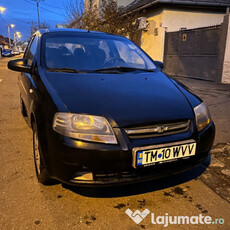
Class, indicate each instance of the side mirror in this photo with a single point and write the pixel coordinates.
(19, 65)
(159, 64)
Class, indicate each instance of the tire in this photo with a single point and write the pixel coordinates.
(22, 107)
(40, 169)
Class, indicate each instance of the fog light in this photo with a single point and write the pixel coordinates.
(84, 176)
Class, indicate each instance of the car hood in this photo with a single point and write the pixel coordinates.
(124, 99)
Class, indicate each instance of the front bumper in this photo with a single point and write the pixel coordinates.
(112, 164)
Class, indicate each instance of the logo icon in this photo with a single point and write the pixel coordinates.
(162, 129)
(137, 216)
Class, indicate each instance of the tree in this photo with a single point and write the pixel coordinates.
(74, 10)
(34, 27)
(109, 18)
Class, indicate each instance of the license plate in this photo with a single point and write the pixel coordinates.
(158, 154)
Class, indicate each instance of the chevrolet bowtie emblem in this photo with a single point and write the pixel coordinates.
(161, 129)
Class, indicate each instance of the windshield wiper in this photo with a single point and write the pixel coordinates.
(65, 70)
(123, 69)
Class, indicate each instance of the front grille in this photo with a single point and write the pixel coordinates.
(157, 130)
(142, 172)
(145, 173)
(114, 176)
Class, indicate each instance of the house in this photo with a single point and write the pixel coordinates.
(173, 15)
(98, 3)
(4, 42)
(61, 26)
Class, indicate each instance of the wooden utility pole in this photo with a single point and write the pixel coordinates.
(37, 3)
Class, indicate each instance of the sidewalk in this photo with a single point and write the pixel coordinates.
(217, 98)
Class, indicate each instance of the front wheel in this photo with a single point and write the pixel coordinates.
(41, 172)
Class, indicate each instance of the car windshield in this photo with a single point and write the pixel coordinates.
(79, 51)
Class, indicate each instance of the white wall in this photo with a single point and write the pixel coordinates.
(172, 20)
(124, 2)
(226, 64)
(151, 43)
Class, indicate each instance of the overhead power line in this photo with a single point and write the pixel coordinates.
(7, 24)
(3, 19)
(52, 12)
(18, 20)
(43, 3)
(27, 1)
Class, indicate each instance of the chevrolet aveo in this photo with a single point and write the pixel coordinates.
(103, 113)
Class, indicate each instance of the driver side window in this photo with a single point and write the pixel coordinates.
(128, 54)
(31, 50)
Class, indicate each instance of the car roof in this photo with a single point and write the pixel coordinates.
(69, 30)
(63, 30)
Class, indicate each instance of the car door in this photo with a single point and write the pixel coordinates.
(26, 81)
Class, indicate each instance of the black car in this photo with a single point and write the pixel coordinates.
(103, 112)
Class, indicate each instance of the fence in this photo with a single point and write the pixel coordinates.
(197, 53)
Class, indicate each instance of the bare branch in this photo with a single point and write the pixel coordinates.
(34, 27)
(107, 19)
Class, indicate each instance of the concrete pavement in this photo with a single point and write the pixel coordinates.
(217, 98)
(26, 204)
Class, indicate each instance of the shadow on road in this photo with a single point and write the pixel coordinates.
(140, 188)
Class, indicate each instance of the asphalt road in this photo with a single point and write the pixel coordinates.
(26, 204)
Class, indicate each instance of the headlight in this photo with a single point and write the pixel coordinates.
(203, 118)
(84, 127)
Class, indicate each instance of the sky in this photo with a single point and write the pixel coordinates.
(22, 12)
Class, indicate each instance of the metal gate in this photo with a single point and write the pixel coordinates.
(193, 53)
